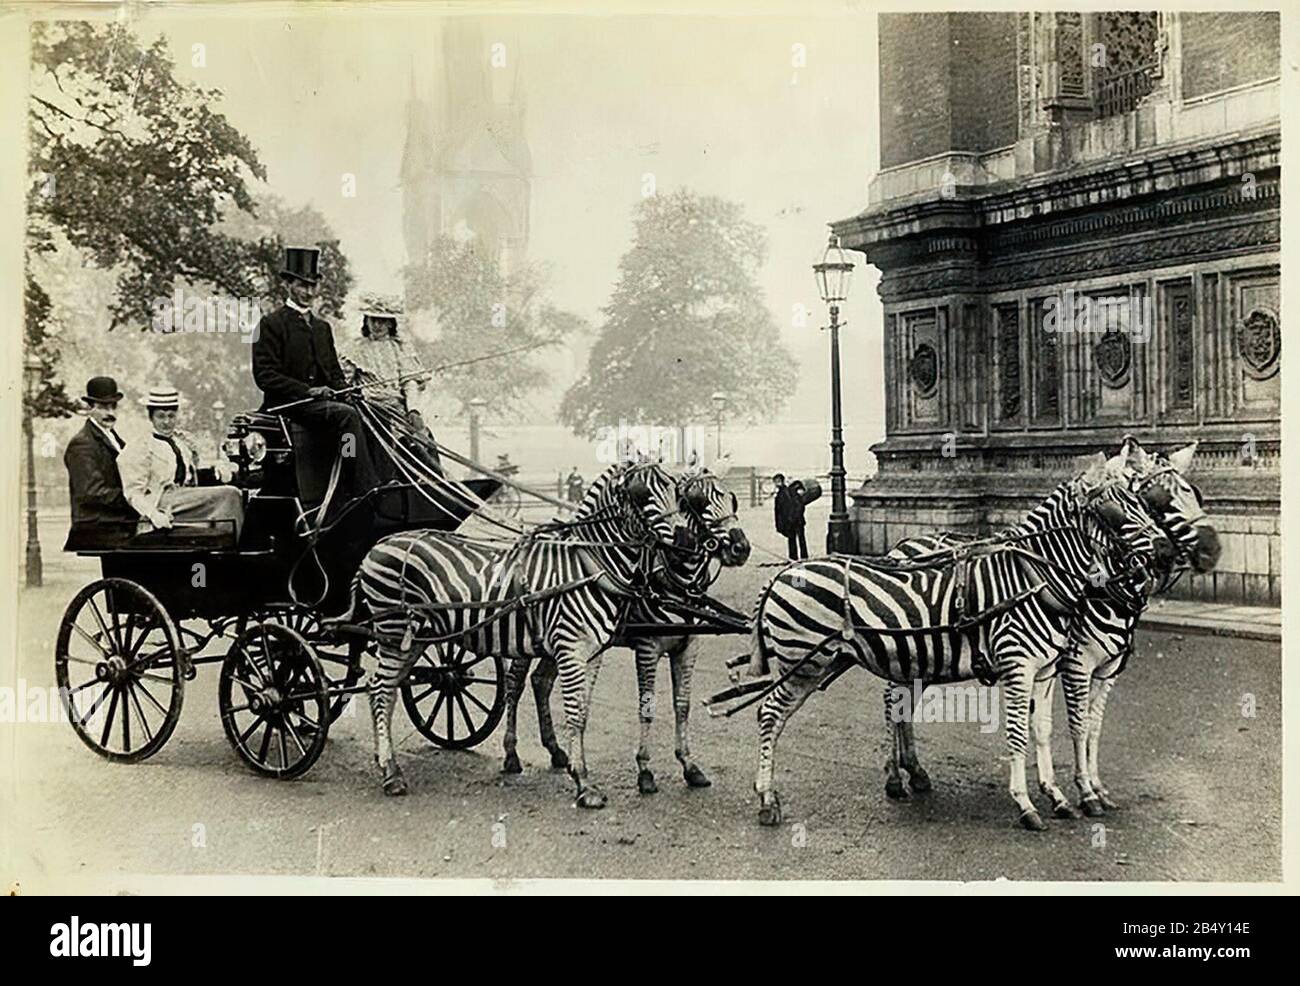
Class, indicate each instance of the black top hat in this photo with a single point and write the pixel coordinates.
(302, 263)
(101, 390)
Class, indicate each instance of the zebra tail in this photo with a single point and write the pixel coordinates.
(759, 665)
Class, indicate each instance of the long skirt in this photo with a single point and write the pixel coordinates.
(191, 503)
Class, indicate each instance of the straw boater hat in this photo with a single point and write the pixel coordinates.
(162, 399)
(380, 306)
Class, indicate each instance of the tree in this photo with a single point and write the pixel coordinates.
(133, 169)
(464, 307)
(686, 319)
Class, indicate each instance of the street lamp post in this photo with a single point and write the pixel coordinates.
(719, 400)
(32, 383)
(475, 410)
(834, 272)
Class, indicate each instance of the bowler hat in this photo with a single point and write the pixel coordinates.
(101, 390)
(302, 263)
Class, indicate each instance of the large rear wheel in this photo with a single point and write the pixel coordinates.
(119, 668)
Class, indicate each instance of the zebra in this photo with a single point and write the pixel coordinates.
(888, 616)
(713, 509)
(542, 595)
(1107, 629)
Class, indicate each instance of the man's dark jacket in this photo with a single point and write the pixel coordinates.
(789, 509)
(289, 358)
(94, 484)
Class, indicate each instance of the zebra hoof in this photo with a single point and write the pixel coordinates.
(645, 781)
(559, 760)
(894, 789)
(696, 777)
(1031, 820)
(1063, 809)
(512, 764)
(1107, 802)
(770, 814)
(395, 785)
(591, 798)
(1092, 807)
(919, 781)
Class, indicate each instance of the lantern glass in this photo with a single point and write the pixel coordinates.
(834, 273)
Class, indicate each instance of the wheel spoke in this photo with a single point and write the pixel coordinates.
(451, 721)
(293, 734)
(92, 641)
(478, 659)
(249, 731)
(149, 695)
(473, 680)
(284, 749)
(126, 722)
(417, 699)
(428, 723)
(99, 618)
(95, 707)
(464, 711)
(266, 744)
(139, 711)
(85, 684)
(473, 698)
(108, 722)
(152, 625)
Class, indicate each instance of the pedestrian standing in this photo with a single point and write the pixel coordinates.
(788, 509)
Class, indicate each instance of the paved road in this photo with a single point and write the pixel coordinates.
(1199, 781)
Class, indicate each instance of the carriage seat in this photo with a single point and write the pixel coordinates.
(97, 537)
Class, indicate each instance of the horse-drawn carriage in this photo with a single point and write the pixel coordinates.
(129, 641)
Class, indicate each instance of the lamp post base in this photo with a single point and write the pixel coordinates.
(34, 572)
(839, 536)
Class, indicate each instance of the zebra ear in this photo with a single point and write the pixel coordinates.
(1133, 454)
(1182, 458)
(1091, 468)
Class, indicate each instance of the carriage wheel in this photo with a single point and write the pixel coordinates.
(117, 664)
(341, 661)
(455, 698)
(274, 700)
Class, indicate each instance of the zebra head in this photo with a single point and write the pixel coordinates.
(1134, 549)
(1176, 504)
(650, 491)
(713, 509)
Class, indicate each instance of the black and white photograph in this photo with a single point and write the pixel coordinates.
(627, 448)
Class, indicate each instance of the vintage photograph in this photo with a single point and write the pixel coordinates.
(590, 442)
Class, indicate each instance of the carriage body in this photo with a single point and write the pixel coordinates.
(130, 640)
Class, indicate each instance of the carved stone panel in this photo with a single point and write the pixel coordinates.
(1007, 340)
(1179, 347)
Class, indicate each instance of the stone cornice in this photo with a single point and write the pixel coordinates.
(1137, 174)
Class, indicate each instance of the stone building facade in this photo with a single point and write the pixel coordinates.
(1077, 226)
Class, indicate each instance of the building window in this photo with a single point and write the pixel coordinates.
(1124, 60)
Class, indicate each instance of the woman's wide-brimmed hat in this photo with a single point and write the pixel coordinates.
(378, 305)
(302, 263)
(162, 399)
(101, 390)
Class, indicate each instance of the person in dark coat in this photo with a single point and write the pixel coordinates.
(789, 508)
(294, 359)
(94, 483)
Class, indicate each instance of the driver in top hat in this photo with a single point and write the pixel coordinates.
(294, 360)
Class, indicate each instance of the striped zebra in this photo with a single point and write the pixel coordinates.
(542, 595)
(1107, 630)
(903, 621)
(713, 511)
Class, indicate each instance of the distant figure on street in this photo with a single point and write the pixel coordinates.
(788, 509)
(575, 486)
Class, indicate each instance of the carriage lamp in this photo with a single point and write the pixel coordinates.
(32, 367)
(834, 272)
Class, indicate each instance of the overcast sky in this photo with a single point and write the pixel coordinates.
(712, 103)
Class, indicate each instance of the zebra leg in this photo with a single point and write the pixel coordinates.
(1075, 681)
(515, 676)
(647, 659)
(1096, 712)
(1044, 697)
(893, 776)
(543, 682)
(1017, 676)
(681, 664)
(578, 665)
(773, 714)
(917, 779)
(383, 692)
